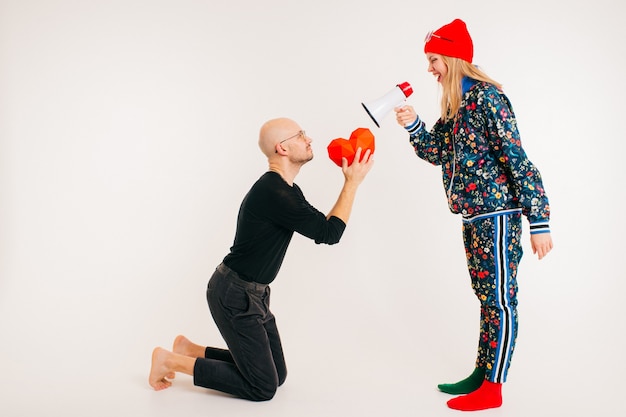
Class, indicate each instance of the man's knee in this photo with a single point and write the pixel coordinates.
(281, 378)
(263, 394)
(269, 388)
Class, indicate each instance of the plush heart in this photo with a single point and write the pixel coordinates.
(342, 148)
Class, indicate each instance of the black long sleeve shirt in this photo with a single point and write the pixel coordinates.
(269, 215)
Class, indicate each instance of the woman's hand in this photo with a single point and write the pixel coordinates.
(405, 115)
(541, 244)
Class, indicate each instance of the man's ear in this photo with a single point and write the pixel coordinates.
(280, 150)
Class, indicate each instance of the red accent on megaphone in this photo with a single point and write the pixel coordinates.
(406, 88)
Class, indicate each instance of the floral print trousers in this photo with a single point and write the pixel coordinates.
(493, 249)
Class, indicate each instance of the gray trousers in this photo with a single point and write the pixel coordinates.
(253, 367)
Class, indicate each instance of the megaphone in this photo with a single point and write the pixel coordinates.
(379, 108)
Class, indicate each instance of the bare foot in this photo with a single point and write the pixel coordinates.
(160, 370)
(181, 345)
(186, 347)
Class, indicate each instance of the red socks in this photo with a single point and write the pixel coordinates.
(489, 395)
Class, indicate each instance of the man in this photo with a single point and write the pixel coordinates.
(238, 293)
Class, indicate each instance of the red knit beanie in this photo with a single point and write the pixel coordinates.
(451, 40)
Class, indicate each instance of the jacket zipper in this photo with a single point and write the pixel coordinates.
(453, 164)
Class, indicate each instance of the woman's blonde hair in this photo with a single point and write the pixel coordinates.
(452, 89)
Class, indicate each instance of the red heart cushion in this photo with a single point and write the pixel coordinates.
(342, 148)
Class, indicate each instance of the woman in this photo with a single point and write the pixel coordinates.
(489, 181)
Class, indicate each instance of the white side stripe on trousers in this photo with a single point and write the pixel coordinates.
(505, 336)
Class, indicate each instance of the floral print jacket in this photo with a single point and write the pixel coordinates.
(482, 161)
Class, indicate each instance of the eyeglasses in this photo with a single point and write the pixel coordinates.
(301, 133)
(431, 35)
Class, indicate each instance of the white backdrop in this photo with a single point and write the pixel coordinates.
(128, 134)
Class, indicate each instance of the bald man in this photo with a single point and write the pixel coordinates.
(253, 366)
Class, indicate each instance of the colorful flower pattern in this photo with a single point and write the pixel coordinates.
(483, 164)
(492, 261)
(491, 182)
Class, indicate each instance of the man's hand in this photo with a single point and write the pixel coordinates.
(541, 244)
(353, 174)
(356, 172)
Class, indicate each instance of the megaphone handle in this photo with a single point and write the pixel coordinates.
(406, 109)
